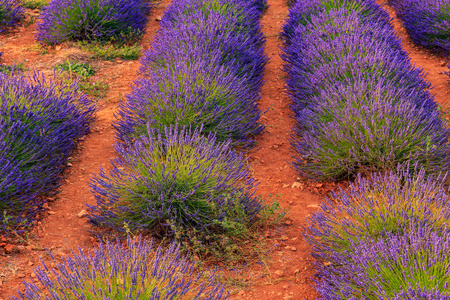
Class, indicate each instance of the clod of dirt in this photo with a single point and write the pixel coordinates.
(9, 248)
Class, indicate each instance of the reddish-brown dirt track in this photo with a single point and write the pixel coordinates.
(287, 272)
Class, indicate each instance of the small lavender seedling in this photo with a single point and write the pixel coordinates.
(372, 207)
(132, 271)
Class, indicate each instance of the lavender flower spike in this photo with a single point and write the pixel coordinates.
(174, 177)
(124, 272)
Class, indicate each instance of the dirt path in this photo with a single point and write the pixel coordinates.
(287, 275)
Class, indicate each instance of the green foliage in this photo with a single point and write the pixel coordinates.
(34, 4)
(82, 69)
(233, 243)
(82, 72)
(110, 51)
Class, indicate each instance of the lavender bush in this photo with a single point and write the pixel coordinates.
(95, 20)
(132, 271)
(40, 122)
(302, 12)
(190, 96)
(427, 22)
(174, 179)
(371, 208)
(11, 12)
(414, 265)
(358, 103)
(205, 70)
(225, 40)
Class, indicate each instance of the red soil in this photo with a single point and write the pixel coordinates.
(287, 273)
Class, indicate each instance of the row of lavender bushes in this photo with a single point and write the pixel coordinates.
(426, 21)
(360, 108)
(11, 12)
(177, 174)
(40, 123)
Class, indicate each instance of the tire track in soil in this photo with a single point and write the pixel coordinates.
(61, 230)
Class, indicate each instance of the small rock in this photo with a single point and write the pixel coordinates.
(319, 185)
(9, 248)
(2, 244)
(69, 164)
(314, 206)
(279, 273)
(30, 263)
(32, 275)
(58, 48)
(297, 185)
(51, 212)
(82, 213)
(284, 238)
(21, 248)
(21, 275)
(443, 63)
(288, 222)
(296, 271)
(241, 293)
(158, 18)
(285, 185)
(293, 249)
(36, 11)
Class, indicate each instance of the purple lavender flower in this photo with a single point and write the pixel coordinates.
(376, 206)
(302, 12)
(223, 40)
(427, 22)
(176, 177)
(413, 265)
(133, 271)
(100, 20)
(207, 70)
(40, 122)
(199, 94)
(11, 12)
(359, 105)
